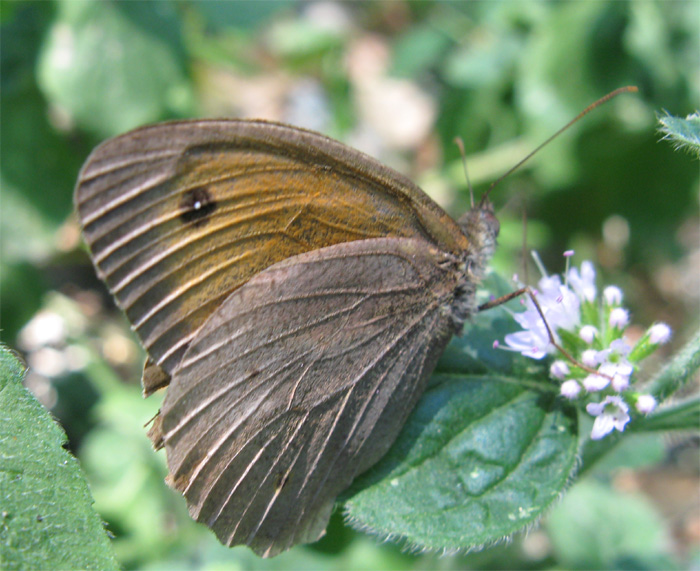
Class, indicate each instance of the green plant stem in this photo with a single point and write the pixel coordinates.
(594, 450)
(682, 415)
(678, 372)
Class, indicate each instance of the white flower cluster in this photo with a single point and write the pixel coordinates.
(592, 333)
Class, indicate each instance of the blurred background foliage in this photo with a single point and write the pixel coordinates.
(398, 80)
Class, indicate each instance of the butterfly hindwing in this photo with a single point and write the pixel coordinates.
(299, 381)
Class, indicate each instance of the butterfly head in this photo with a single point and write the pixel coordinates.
(481, 227)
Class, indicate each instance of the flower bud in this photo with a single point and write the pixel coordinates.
(619, 318)
(570, 389)
(612, 295)
(559, 369)
(645, 404)
(588, 333)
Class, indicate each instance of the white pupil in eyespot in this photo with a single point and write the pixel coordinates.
(197, 205)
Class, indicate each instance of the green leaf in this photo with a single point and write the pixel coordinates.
(482, 64)
(47, 520)
(635, 451)
(418, 50)
(301, 39)
(633, 535)
(38, 166)
(244, 15)
(113, 66)
(480, 458)
(683, 133)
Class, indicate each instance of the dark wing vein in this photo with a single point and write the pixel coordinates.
(261, 441)
(273, 192)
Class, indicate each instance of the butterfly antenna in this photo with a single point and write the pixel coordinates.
(460, 144)
(591, 107)
(524, 253)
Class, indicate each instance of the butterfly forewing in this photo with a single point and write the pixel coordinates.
(179, 215)
(300, 380)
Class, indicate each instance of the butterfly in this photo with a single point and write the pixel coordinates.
(292, 294)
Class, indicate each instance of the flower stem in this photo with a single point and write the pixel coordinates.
(682, 415)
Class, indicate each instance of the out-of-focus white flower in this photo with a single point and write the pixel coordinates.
(45, 328)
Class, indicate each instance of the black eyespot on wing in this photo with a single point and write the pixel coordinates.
(197, 206)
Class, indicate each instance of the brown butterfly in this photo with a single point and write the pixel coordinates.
(293, 294)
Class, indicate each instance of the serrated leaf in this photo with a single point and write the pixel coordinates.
(46, 518)
(480, 458)
(684, 133)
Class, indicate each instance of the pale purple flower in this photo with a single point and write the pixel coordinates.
(614, 364)
(645, 404)
(588, 333)
(583, 282)
(619, 347)
(562, 309)
(533, 340)
(528, 343)
(594, 383)
(617, 351)
(659, 333)
(620, 383)
(612, 295)
(570, 389)
(610, 368)
(619, 372)
(619, 318)
(589, 357)
(611, 414)
(559, 369)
